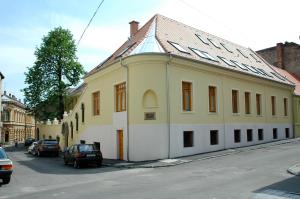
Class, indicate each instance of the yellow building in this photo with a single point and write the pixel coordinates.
(1, 124)
(17, 123)
(296, 98)
(172, 90)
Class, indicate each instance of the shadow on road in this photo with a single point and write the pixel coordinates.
(52, 165)
(288, 188)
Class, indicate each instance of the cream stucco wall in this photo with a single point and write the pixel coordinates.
(296, 112)
(153, 84)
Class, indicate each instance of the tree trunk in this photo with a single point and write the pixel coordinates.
(60, 94)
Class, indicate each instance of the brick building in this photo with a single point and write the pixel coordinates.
(285, 56)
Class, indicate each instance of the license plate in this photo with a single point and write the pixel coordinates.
(90, 155)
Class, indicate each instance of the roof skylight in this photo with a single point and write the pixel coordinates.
(178, 47)
(214, 43)
(203, 54)
(227, 61)
(125, 50)
(254, 58)
(251, 68)
(263, 72)
(226, 47)
(278, 76)
(202, 39)
(241, 53)
(239, 65)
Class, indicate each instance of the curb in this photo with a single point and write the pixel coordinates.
(226, 153)
(293, 169)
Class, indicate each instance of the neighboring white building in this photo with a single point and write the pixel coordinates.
(1, 78)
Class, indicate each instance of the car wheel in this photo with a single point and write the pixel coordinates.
(6, 180)
(99, 164)
(76, 164)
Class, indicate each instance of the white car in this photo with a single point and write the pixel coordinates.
(31, 148)
(6, 167)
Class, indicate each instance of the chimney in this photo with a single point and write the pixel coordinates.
(4, 92)
(280, 55)
(134, 27)
(9, 95)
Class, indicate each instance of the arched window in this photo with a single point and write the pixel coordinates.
(71, 125)
(82, 112)
(150, 99)
(76, 118)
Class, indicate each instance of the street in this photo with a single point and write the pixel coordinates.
(259, 173)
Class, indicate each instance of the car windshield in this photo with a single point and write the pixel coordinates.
(3, 154)
(50, 142)
(86, 147)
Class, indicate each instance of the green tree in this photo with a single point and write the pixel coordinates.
(56, 68)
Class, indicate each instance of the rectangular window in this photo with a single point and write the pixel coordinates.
(226, 47)
(275, 135)
(258, 104)
(214, 137)
(212, 99)
(120, 92)
(213, 43)
(235, 101)
(96, 103)
(237, 135)
(188, 139)
(285, 104)
(187, 96)
(249, 135)
(202, 39)
(178, 47)
(247, 103)
(273, 104)
(287, 132)
(241, 53)
(260, 134)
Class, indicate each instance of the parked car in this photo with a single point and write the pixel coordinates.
(80, 154)
(32, 148)
(29, 141)
(6, 167)
(47, 146)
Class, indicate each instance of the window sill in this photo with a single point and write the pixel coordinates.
(236, 114)
(187, 112)
(213, 113)
(248, 115)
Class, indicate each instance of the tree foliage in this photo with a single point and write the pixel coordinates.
(56, 68)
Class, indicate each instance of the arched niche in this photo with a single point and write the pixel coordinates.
(150, 99)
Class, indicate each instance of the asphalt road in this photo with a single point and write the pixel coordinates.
(252, 174)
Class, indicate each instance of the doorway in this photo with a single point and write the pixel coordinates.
(120, 145)
(6, 138)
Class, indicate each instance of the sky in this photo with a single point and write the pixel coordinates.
(256, 24)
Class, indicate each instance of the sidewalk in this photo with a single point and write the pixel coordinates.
(198, 157)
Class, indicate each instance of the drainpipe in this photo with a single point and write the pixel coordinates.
(127, 104)
(168, 103)
(224, 126)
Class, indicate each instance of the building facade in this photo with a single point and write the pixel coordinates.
(18, 124)
(1, 93)
(172, 90)
(285, 56)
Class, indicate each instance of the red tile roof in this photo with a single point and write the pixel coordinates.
(168, 30)
(292, 78)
